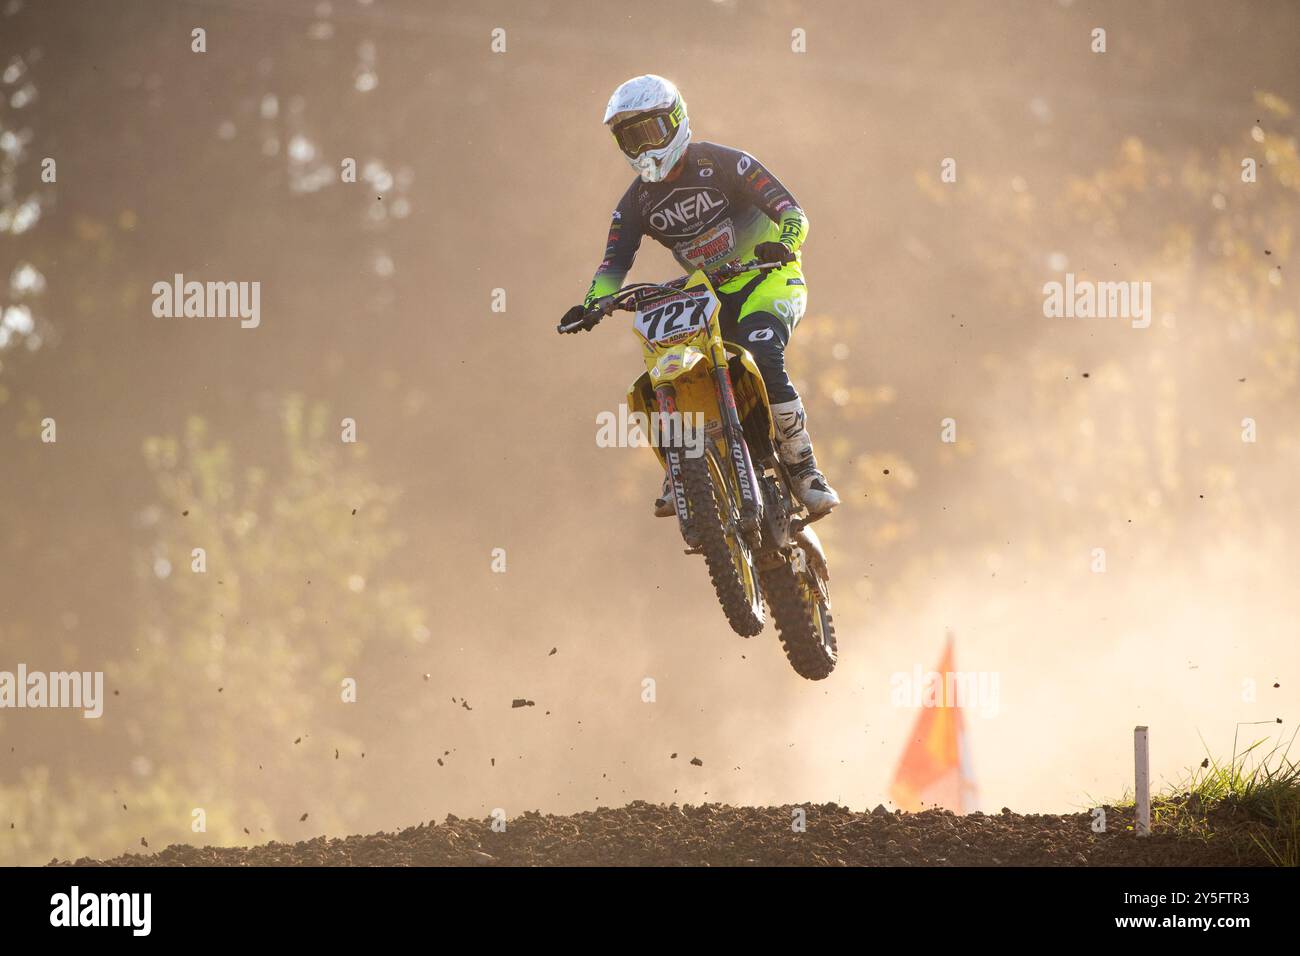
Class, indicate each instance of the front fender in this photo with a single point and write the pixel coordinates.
(673, 363)
(683, 368)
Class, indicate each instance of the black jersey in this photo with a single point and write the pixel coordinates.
(720, 204)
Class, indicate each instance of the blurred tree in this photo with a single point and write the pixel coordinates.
(236, 682)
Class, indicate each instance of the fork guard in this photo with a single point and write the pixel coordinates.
(671, 455)
(751, 496)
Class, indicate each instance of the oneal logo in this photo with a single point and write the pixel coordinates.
(209, 300)
(78, 689)
(103, 909)
(1098, 300)
(684, 210)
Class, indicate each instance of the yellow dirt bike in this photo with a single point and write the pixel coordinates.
(731, 491)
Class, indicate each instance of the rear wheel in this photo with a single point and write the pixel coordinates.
(715, 530)
(803, 620)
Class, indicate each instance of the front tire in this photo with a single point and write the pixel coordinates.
(728, 557)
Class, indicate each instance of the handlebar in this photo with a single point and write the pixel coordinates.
(732, 269)
(627, 298)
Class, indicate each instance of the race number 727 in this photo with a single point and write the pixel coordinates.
(677, 316)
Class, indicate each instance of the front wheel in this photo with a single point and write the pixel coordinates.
(715, 530)
(803, 620)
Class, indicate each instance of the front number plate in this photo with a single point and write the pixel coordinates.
(667, 320)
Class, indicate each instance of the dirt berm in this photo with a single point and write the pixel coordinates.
(643, 834)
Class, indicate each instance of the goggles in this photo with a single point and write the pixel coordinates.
(645, 131)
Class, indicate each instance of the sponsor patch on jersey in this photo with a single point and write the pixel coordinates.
(794, 281)
(686, 210)
(716, 245)
(743, 164)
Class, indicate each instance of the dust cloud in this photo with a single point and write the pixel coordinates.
(476, 429)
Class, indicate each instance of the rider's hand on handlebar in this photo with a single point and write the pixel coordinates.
(578, 319)
(773, 252)
(570, 321)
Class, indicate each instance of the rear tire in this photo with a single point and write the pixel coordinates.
(729, 560)
(803, 621)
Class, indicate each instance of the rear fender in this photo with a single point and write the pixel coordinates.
(812, 546)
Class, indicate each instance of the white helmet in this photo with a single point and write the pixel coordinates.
(648, 119)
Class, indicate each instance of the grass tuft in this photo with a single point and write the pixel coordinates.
(1251, 803)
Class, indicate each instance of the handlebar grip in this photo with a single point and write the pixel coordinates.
(588, 320)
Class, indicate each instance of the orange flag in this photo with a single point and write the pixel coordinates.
(935, 770)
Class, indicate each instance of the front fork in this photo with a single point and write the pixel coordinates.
(751, 507)
(672, 445)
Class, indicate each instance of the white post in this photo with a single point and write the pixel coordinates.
(1142, 781)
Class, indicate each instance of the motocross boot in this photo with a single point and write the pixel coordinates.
(795, 448)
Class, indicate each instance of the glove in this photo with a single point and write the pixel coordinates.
(773, 252)
(573, 321)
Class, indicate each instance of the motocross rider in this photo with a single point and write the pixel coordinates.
(709, 205)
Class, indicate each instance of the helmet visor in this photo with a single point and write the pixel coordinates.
(647, 131)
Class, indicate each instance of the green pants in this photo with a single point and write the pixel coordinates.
(759, 311)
